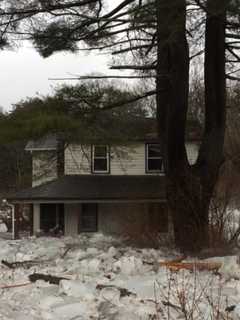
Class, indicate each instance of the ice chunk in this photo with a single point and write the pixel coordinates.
(50, 301)
(128, 265)
(3, 227)
(78, 311)
(77, 289)
(230, 267)
(110, 294)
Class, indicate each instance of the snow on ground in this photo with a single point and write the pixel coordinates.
(106, 280)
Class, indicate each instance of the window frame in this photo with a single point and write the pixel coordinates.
(147, 158)
(93, 158)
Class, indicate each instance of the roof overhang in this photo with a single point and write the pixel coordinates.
(96, 188)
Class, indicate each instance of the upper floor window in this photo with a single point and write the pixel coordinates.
(100, 159)
(154, 160)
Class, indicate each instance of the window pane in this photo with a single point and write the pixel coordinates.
(100, 165)
(100, 151)
(154, 150)
(155, 164)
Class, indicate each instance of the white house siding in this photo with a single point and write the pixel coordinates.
(44, 167)
(123, 160)
(128, 160)
(77, 159)
(71, 218)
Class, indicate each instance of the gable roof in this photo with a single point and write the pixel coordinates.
(99, 188)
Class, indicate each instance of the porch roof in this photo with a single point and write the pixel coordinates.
(96, 188)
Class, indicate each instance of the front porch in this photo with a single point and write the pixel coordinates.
(71, 219)
(109, 204)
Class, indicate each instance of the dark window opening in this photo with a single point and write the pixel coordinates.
(88, 218)
(52, 218)
(154, 159)
(100, 159)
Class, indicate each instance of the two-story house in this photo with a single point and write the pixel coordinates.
(118, 189)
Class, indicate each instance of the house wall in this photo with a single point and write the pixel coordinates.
(132, 219)
(44, 167)
(120, 218)
(128, 219)
(123, 160)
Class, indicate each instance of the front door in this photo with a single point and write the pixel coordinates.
(52, 218)
(88, 218)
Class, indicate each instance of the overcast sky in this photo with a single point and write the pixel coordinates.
(24, 73)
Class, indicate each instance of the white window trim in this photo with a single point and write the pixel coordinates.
(154, 158)
(107, 157)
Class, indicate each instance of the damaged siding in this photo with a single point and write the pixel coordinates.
(44, 167)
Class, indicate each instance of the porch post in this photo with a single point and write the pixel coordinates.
(36, 217)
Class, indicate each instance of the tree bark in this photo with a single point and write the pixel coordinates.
(190, 188)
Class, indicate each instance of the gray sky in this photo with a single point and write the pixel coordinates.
(24, 73)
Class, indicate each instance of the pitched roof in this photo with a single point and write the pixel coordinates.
(139, 129)
(96, 188)
(48, 142)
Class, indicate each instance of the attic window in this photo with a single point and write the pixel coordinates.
(154, 160)
(100, 159)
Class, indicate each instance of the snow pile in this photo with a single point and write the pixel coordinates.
(105, 280)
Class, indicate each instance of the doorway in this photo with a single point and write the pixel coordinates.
(52, 218)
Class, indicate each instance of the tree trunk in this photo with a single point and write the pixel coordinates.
(189, 188)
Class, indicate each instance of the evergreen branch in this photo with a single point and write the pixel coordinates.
(48, 8)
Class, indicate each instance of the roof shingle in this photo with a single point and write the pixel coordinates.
(96, 188)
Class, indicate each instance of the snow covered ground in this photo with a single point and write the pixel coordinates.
(98, 269)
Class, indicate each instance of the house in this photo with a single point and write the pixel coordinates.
(112, 188)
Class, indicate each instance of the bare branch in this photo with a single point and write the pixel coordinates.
(103, 77)
(126, 102)
(132, 67)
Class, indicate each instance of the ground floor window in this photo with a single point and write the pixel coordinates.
(52, 218)
(88, 217)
